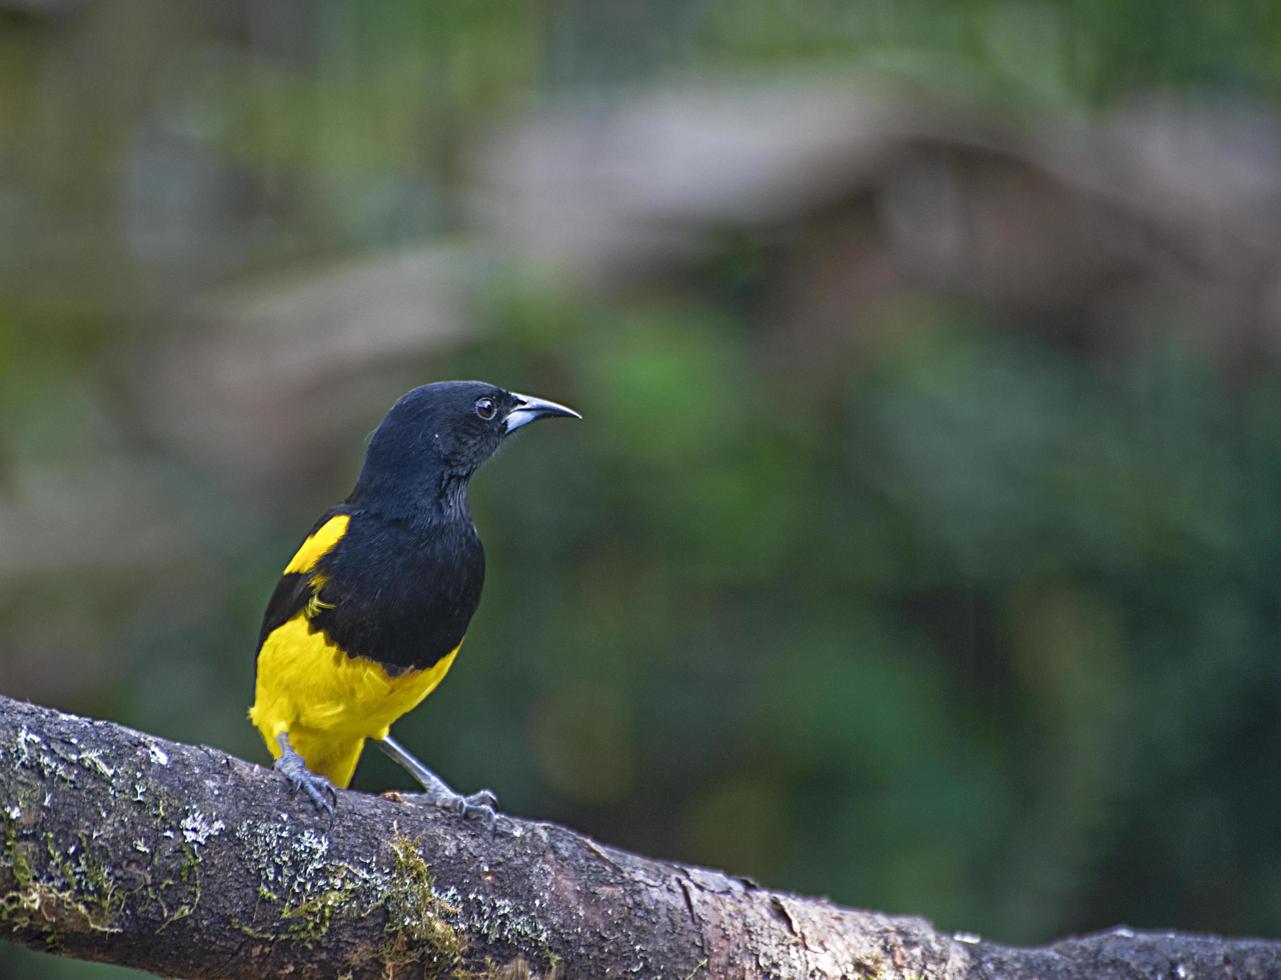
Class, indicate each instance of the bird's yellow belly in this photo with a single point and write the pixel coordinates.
(329, 702)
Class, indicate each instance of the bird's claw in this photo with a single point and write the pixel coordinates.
(319, 790)
(478, 806)
(482, 798)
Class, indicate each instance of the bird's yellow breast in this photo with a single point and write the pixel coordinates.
(329, 702)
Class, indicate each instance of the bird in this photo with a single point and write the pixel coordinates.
(370, 612)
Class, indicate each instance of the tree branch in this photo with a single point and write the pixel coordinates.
(182, 860)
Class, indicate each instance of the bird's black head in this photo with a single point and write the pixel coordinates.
(434, 438)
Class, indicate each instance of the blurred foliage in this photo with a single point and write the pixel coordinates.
(961, 621)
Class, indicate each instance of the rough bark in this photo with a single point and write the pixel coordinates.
(182, 860)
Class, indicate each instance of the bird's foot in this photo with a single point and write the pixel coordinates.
(477, 806)
(484, 797)
(319, 790)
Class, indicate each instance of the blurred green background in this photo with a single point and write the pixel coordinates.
(921, 546)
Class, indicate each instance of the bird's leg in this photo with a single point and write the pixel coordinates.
(293, 768)
(436, 789)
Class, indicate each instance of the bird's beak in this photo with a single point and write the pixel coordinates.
(530, 409)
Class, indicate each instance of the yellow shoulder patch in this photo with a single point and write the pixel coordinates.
(325, 537)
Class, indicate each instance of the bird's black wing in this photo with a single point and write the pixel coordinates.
(295, 590)
(291, 596)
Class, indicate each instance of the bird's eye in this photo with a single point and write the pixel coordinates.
(486, 408)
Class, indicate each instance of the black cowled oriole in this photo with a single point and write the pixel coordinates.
(370, 612)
